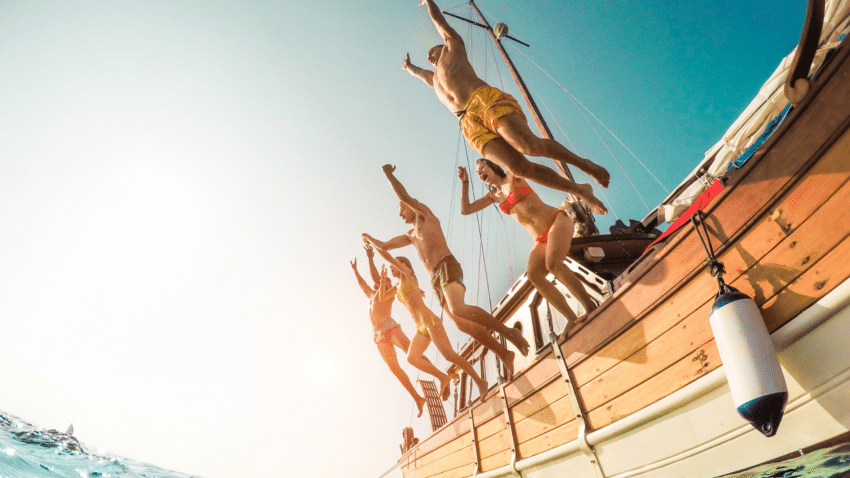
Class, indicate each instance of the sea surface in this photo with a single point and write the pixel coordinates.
(27, 451)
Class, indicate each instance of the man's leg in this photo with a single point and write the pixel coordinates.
(485, 338)
(456, 306)
(514, 129)
(500, 152)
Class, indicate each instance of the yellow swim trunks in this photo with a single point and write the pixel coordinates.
(482, 113)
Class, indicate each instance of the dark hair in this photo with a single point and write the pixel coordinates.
(496, 169)
(407, 264)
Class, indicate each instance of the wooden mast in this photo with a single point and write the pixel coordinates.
(535, 112)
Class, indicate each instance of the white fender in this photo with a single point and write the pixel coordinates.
(749, 359)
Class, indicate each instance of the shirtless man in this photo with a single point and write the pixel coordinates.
(446, 275)
(493, 122)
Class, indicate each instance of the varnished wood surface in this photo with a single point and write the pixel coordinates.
(780, 229)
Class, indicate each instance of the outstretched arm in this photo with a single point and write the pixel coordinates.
(443, 28)
(394, 243)
(384, 294)
(419, 208)
(479, 204)
(363, 285)
(392, 260)
(370, 253)
(425, 75)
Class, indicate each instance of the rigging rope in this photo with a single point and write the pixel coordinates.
(594, 116)
(600, 190)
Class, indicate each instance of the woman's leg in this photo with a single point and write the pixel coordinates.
(388, 354)
(537, 275)
(416, 357)
(443, 344)
(560, 239)
(401, 341)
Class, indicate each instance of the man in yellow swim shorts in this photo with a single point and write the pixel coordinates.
(493, 122)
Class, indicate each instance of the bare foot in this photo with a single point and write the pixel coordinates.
(585, 193)
(598, 173)
(567, 329)
(420, 402)
(445, 391)
(508, 362)
(519, 341)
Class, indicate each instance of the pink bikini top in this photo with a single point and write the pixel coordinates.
(518, 194)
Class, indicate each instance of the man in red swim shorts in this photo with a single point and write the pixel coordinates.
(493, 122)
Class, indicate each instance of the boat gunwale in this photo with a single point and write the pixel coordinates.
(827, 71)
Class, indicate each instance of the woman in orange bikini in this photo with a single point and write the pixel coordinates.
(388, 333)
(428, 326)
(551, 227)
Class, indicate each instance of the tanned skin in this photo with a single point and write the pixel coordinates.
(454, 81)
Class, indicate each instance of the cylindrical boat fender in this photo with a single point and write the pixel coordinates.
(749, 359)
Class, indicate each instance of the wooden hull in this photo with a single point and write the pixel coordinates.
(650, 398)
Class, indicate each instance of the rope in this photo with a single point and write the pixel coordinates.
(601, 190)
(594, 117)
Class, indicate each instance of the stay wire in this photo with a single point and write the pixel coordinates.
(594, 117)
(600, 190)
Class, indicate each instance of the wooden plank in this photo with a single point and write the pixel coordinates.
(487, 410)
(660, 290)
(459, 443)
(538, 375)
(672, 346)
(833, 268)
(496, 461)
(701, 361)
(460, 472)
(447, 463)
(455, 428)
(491, 427)
(558, 436)
(825, 275)
(494, 444)
(547, 395)
(804, 199)
(544, 420)
(780, 163)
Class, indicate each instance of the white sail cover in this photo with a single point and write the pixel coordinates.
(769, 102)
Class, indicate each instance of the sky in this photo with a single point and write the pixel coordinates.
(184, 183)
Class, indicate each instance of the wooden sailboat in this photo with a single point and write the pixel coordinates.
(639, 389)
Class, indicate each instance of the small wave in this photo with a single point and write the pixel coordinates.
(29, 451)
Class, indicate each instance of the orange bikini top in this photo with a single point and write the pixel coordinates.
(518, 194)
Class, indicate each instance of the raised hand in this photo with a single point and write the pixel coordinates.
(369, 251)
(405, 64)
(354, 264)
(388, 169)
(461, 173)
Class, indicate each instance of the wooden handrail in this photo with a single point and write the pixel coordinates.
(797, 83)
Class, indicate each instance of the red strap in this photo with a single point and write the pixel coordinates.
(702, 201)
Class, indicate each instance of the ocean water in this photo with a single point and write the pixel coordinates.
(830, 462)
(27, 451)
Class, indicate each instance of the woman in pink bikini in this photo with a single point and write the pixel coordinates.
(428, 326)
(551, 227)
(388, 333)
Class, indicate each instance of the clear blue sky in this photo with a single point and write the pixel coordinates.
(183, 184)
